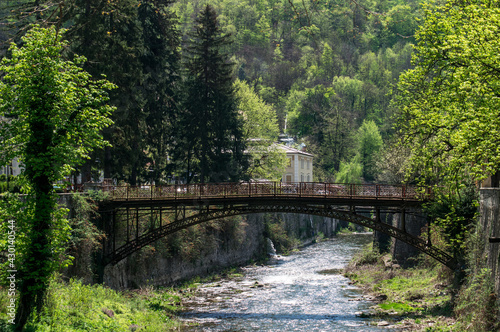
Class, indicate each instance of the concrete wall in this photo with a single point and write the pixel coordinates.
(490, 228)
(153, 268)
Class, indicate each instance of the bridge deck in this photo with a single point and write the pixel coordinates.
(152, 212)
(220, 193)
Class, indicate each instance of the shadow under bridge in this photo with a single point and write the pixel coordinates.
(134, 217)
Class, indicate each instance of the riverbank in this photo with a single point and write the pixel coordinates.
(413, 299)
(75, 307)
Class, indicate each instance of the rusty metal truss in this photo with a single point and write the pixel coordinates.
(266, 189)
(135, 234)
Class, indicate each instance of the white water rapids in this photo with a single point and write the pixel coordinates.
(304, 291)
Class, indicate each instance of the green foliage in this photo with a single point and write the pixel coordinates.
(391, 164)
(369, 144)
(296, 52)
(350, 172)
(53, 115)
(13, 185)
(367, 256)
(454, 215)
(86, 237)
(448, 105)
(70, 105)
(260, 130)
(160, 60)
(211, 143)
(136, 45)
(418, 294)
(476, 306)
(275, 229)
(74, 306)
(291, 52)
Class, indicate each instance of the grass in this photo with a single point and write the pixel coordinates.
(414, 297)
(73, 306)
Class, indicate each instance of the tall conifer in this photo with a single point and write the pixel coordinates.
(214, 144)
(135, 44)
(160, 67)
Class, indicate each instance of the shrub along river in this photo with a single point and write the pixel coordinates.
(304, 291)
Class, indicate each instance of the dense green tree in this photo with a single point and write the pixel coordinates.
(136, 44)
(350, 172)
(52, 117)
(449, 106)
(210, 124)
(369, 144)
(160, 62)
(108, 34)
(318, 118)
(283, 48)
(260, 131)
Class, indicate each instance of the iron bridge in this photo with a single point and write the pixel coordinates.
(134, 217)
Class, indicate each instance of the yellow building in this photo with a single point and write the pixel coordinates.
(300, 165)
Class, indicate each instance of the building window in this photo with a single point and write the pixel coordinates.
(301, 177)
(308, 177)
(288, 179)
(308, 161)
(302, 163)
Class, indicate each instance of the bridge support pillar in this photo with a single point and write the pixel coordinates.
(382, 241)
(412, 221)
(107, 224)
(489, 230)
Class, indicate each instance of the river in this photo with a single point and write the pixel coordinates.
(304, 291)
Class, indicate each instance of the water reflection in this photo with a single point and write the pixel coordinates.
(301, 292)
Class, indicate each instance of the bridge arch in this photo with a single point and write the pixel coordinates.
(207, 212)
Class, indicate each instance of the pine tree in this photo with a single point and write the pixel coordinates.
(135, 44)
(212, 128)
(108, 34)
(160, 67)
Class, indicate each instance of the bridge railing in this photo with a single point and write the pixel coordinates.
(266, 188)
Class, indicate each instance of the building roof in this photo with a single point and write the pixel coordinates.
(289, 149)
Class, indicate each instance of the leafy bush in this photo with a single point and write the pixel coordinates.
(454, 216)
(476, 303)
(368, 255)
(13, 186)
(276, 231)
